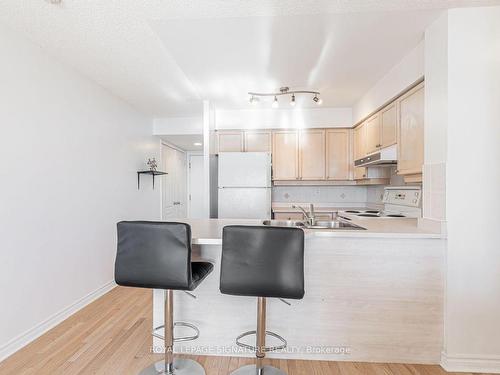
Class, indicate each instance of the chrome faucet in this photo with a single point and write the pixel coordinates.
(311, 219)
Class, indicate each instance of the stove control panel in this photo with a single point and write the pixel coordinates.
(402, 197)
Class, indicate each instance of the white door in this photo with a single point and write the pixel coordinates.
(195, 186)
(174, 183)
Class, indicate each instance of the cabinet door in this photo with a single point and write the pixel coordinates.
(411, 132)
(231, 141)
(359, 173)
(359, 142)
(337, 154)
(286, 155)
(257, 141)
(389, 121)
(312, 154)
(372, 134)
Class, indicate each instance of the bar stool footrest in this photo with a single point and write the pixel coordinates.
(178, 339)
(266, 348)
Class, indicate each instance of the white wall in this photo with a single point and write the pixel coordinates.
(69, 152)
(408, 71)
(472, 325)
(436, 119)
(268, 118)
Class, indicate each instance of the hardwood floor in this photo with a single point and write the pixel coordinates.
(112, 336)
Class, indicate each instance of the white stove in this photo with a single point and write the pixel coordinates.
(399, 202)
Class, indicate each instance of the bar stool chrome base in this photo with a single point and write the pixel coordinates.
(182, 366)
(252, 370)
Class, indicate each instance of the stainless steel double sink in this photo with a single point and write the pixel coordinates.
(331, 224)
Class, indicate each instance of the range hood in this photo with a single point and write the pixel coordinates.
(385, 157)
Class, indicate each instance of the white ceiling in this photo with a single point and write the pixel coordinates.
(165, 56)
(185, 142)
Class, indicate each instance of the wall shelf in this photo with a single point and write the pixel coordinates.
(152, 173)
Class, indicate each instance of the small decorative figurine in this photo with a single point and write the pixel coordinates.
(152, 164)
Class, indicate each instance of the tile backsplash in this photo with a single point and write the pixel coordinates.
(343, 195)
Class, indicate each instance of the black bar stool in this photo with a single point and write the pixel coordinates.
(262, 262)
(157, 255)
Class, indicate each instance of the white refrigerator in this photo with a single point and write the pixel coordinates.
(244, 180)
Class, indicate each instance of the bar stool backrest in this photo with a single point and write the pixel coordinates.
(262, 261)
(154, 255)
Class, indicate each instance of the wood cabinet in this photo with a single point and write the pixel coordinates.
(312, 154)
(388, 125)
(411, 132)
(338, 154)
(257, 141)
(379, 131)
(359, 142)
(286, 155)
(372, 135)
(244, 141)
(230, 141)
(359, 173)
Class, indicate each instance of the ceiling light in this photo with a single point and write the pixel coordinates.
(254, 96)
(254, 100)
(197, 144)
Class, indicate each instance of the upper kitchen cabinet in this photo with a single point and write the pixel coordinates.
(372, 135)
(244, 141)
(257, 141)
(312, 154)
(338, 154)
(411, 132)
(230, 141)
(388, 125)
(285, 155)
(359, 142)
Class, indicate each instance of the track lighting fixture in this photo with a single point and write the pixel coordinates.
(254, 100)
(254, 96)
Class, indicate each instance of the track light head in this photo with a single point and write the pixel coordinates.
(275, 102)
(254, 100)
(317, 100)
(292, 103)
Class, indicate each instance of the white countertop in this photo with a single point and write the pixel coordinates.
(209, 231)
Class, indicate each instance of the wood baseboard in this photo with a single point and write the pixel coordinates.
(470, 363)
(33, 333)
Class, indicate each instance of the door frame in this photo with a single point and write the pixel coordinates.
(162, 159)
(188, 184)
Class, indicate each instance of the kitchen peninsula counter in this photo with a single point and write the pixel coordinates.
(371, 295)
(209, 231)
